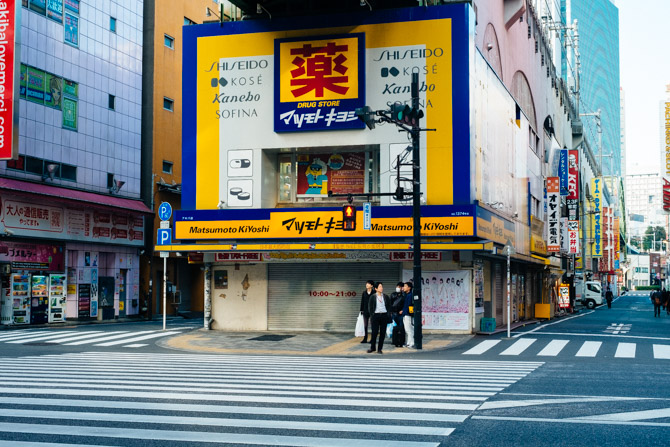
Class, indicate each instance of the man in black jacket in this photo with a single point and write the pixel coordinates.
(397, 303)
(365, 306)
(380, 309)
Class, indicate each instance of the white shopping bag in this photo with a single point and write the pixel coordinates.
(360, 327)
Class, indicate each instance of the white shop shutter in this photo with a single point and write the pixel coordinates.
(297, 293)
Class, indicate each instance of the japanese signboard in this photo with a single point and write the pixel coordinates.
(319, 83)
(553, 214)
(494, 227)
(597, 192)
(573, 237)
(563, 172)
(563, 223)
(572, 200)
(340, 173)
(617, 246)
(564, 296)
(596, 234)
(28, 256)
(312, 223)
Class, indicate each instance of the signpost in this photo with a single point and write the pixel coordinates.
(164, 237)
(508, 251)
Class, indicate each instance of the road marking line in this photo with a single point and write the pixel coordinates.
(109, 337)
(661, 351)
(551, 324)
(35, 338)
(202, 437)
(589, 349)
(625, 350)
(518, 347)
(630, 416)
(583, 334)
(136, 345)
(23, 333)
(572, 421)
(143, 337)
(482, 347)
(553, 348)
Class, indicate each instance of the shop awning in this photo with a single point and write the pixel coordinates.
(66, 195)
(544, 260)
(487, 245)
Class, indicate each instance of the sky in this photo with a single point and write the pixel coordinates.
(645, 71)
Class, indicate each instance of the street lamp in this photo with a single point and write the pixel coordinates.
(508, 251)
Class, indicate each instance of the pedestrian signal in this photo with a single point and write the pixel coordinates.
(367, 115)
(399, 111)
(349, 218)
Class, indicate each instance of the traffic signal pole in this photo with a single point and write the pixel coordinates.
(416, 214)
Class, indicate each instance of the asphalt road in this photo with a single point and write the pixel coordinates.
(599, 377)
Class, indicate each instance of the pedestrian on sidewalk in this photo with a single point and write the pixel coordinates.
(397, 304)
(609, 296)
(665, 300)
(365, 306)
(407, 316)
(657, 299)
(380, 311)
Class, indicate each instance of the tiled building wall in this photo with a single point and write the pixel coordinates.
(105, 63)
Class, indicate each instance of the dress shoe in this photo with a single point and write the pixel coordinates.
(365, 340)
(370, 350)
(379, 352)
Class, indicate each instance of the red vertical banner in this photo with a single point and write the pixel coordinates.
(572, 200)
(8, 29)
(553, 214)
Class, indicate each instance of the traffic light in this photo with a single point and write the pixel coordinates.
(367, 115)
(412, 117)
(349, 217)
(399, 111)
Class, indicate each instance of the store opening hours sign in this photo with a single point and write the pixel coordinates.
(8, 84)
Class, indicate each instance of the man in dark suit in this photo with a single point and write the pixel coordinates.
(380, 308)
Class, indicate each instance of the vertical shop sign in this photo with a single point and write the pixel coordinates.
(8, 81)
(573, 237)
(617, 246)
(596, 222)
(84, 300)
(563, 172)
(572, 199)
(564, 234)
(553, 214)
(564, 296)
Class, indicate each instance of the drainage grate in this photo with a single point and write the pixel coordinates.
(272, 337)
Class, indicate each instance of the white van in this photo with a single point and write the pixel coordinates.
(588, 293)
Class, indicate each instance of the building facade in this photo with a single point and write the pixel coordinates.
(72, 223)
(267, 165)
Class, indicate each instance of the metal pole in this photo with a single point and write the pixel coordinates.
(208, 295)
(509, 316)
(416, 214)
(164, 291)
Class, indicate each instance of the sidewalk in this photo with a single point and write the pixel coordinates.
(298, 343)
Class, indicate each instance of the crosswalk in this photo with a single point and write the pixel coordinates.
(103, 398)
(126, 339)
(577, 348)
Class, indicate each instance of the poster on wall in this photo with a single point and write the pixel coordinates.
(84, 300)
(39, 6)
(340, 173)
(445, 299)
(71, 29)
(54, 91)
(69, 114)
(479, 287)
(564, 296)
(36, 79)
(55, 10)
(72, 5)
(29, 256)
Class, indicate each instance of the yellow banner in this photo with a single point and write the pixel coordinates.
(596, 232)
(320, 224)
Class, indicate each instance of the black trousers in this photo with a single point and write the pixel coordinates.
(366, 320)
(657, 310)
(379, 322)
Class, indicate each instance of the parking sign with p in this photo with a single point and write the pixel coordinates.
(164, 236)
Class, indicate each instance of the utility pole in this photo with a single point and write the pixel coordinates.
(416, 214)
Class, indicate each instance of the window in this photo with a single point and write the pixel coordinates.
(168, 104)
(111, 102)
(308, 177)
(169, 42)
(41, 167)
(167, 167)
(112, 24)
(188, 21)
(110, 180)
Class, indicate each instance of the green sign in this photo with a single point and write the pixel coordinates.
(69, 113)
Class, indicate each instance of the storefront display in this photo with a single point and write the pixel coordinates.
(20, 293)
(57, 296)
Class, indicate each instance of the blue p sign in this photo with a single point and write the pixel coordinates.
(164, 236)
(165, 211)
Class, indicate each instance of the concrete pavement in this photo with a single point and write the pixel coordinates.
(297, 343)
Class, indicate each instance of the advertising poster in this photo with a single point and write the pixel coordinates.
(339, 173)
(54, 91)
(69, 113)
(39, 286)
(55, 10)
(71, 29)
(36, 80)
(564, 296)
(553, 215)
(479, 287)
(70, 88)
(23, 81)
(72, 5)
(29, 256)
(84, 300)
(445, 299)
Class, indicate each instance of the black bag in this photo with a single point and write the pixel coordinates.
(398, 337)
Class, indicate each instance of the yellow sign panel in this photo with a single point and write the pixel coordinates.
(596, 232)
(495, 230)
(320, 224)
(318, 70)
